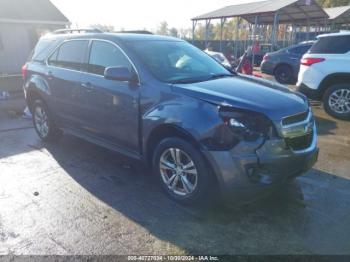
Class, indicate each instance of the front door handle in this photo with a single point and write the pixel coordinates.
(88, 86)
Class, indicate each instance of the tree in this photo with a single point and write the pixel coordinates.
(333, 3)
(104, 28)
(185, 33)
(173, 32)
(163, 28)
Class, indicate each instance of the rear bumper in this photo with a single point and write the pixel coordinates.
(313, 94)
(245, 173)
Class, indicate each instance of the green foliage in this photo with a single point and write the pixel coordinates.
(163, 29)
(230, 30)
(333, 3)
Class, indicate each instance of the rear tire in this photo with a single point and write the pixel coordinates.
(284, 74)
(336, 101)
(43, 122)
(182, 171)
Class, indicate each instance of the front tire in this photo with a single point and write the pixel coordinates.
(182, 171)
(336, 101)
(43, 122)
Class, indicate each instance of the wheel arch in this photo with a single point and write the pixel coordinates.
(36, 88)
(165, 131)
(332, 79)
(31, 97)
(170, 130)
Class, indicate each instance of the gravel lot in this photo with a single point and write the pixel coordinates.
(77, 198)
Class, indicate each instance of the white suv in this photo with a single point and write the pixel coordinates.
(325, 73)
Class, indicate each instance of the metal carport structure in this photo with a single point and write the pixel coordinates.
(268, 12)
(339, 15)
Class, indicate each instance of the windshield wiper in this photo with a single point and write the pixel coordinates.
(216, 76)
(187, 80)
(201, 79)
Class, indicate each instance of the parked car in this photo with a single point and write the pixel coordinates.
(220, 57)
(325, 73)
(263, 50)
(285, 63)
(162, 101)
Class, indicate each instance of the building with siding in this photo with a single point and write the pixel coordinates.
(22, 22)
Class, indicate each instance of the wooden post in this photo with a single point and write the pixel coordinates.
(274, 30)
(254, 40)
(207, 24)
(222, 23)
(236, 37)
(194, 24)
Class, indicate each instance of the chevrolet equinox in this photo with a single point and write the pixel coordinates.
(163, 101)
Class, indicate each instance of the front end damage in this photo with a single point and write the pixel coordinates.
(265, 160)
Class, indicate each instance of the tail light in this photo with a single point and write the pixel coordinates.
(310, 61)
(266, 57)
(24, 72)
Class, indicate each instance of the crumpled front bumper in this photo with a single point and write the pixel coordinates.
(252, 168)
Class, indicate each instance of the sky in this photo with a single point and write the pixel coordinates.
(138, 14)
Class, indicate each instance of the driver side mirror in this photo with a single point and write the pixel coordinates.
(119, 74)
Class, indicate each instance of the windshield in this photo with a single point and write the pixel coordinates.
(177, 62)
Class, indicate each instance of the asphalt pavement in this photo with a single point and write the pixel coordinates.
(75, 198)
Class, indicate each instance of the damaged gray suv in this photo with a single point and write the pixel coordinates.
(162, 101)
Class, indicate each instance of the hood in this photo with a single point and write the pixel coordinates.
(250, 93)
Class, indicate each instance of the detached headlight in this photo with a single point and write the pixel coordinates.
(239, 125)
(247, 125)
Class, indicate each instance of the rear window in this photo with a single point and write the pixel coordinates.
(331, 45)
(300, 50)
(42, 50)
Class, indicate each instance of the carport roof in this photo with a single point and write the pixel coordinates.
(31, 11)
(339, 14)
(290, 12)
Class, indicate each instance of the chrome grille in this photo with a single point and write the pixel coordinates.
(298, 130)
(301, 142)
(295, 118)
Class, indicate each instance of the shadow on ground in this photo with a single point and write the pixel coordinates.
(325, 126)
(10, 122)
(308, 216)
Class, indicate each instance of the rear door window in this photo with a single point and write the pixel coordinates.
(103, 55)
(300, 50)
(331, 45)
(70, 55)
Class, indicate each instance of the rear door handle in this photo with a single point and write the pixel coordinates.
(49, 75)
(88, 86)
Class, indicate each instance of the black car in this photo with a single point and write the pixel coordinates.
(259, 55)
(166, 103)
(285, 63)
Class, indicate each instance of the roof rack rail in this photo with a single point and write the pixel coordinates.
(78, 30)
(143, 32)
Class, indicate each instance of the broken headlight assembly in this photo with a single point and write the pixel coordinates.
(240, 125)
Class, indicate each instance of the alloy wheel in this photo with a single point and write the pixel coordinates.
(178, 172)
(339, 101)
(41, 121)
